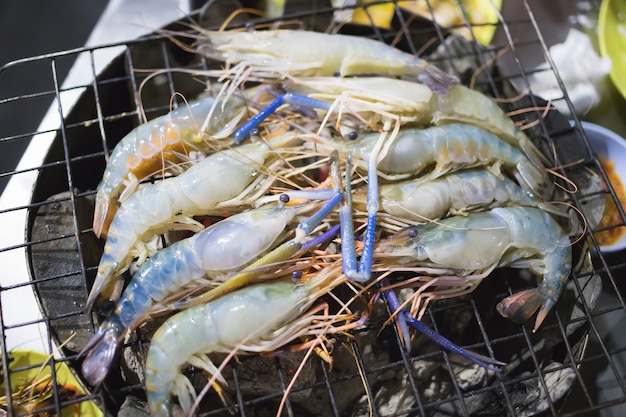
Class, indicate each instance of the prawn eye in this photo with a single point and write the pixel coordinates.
(254, 132)
(296, 275)
(284, 198)
(412, 232)
(353, 135)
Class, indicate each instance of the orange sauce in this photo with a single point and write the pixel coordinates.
(611, 215)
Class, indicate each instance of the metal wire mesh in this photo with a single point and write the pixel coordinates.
(57, 259)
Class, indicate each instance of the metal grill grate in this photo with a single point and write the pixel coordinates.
(576, 356)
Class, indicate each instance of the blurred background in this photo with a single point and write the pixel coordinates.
(30, 28)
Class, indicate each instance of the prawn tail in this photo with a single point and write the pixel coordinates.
(106, 287)
(104, 212)
(436, 79)
(534, 180)
(185, 393)
(101, 351)
(520, 306)
(558, 210)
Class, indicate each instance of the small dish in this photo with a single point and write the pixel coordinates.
(611, 150)
(612, 39)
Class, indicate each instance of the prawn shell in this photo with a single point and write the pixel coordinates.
(281, 52)
(465, 244)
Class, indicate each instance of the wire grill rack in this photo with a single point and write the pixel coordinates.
(51, 253)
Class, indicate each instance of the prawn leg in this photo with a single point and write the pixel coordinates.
(404, 317)
(363, 272)
(288, 98)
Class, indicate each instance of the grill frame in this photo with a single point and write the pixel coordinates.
(105, 126)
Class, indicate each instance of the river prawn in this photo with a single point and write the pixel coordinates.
(202, 260)
(437, 150)
(267, 316)
(278, 53)
(161, 145)
(170, 203)
(459, 192)
(458, 252)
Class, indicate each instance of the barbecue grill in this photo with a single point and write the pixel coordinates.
(571, 366)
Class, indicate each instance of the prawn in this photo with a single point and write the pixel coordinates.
(460, 251)
(277, 53)
(448, 148)
(455, 193)
(162, 144)
(171, 203)
(253, 319)
(204, 258)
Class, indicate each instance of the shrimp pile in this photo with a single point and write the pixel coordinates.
(447, 186)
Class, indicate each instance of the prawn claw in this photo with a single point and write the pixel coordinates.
(404, 318)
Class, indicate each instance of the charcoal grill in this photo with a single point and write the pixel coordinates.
(372, 375)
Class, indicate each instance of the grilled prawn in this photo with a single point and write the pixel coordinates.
(257, 318)
(438, 150)
(162, 144)
(459, 192)
(277, 53)
(465, 249)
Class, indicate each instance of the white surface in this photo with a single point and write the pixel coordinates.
(581, 80)
(122, 20)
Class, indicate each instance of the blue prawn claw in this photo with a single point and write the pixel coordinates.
(288, 98)
(405, 318)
